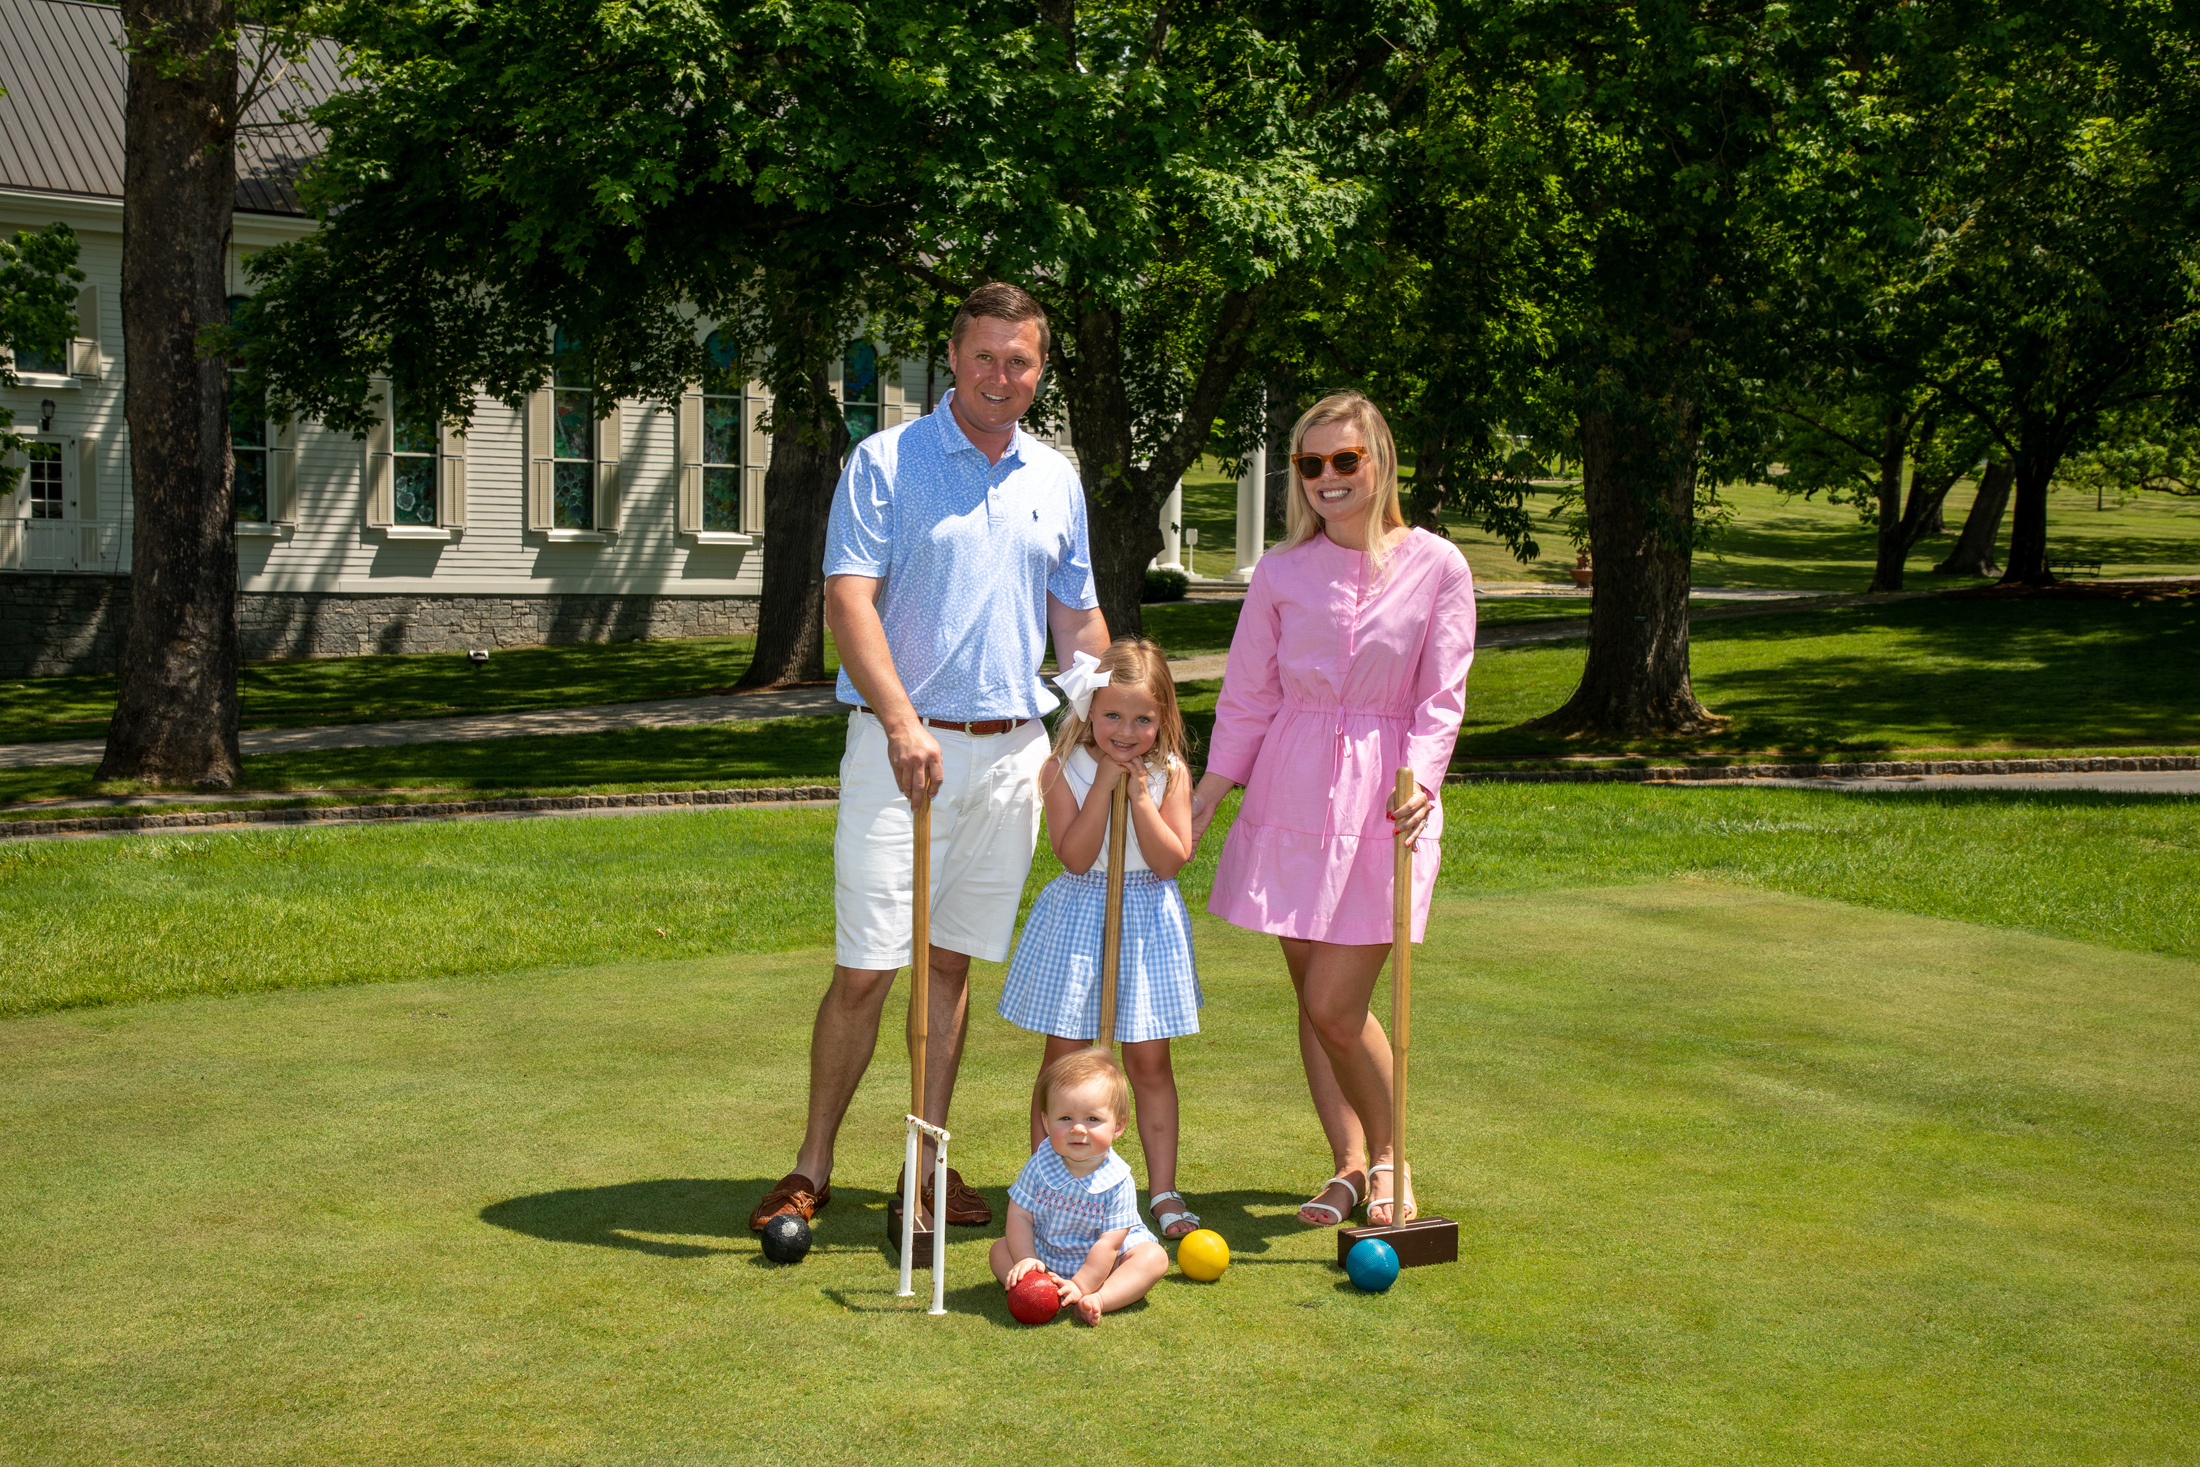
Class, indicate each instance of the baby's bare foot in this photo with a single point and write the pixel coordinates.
(1088, 1309)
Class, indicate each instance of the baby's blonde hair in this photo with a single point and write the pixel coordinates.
(1081, 1067)
(1135, 662)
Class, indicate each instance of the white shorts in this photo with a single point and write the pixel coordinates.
(985, 823)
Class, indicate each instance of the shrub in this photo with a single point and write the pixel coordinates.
(1166, 585)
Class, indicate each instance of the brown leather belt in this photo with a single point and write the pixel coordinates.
(982, 727)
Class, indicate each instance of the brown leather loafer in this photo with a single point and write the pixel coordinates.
(966, 1205)
(794, 1194)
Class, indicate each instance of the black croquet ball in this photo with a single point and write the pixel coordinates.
(786, 1238)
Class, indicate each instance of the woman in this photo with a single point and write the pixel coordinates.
(1349, 661)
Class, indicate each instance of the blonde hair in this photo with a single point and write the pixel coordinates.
(1081, 1067)
(1135, 662)
(1301, 521)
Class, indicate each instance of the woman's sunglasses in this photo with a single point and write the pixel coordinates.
(1344, 461)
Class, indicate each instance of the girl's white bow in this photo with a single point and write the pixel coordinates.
(1080, 682)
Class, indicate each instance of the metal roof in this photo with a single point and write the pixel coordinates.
(61, 120)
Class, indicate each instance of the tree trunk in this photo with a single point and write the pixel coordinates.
(807, 434)
(1123, 498)
(1283, 414)
(176, 717)
(2037, 458)
(1123, 520)
(1894, 545)
(1640, 503)
(1974, 552)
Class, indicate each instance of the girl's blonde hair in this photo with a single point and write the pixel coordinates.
(1301, 521)
(1134, 662)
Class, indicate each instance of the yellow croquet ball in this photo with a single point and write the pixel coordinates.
(1203, 1255)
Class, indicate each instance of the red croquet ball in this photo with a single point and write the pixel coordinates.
(1035, 1299)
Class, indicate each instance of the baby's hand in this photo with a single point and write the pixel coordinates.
(1070, 1292)
(1017, 1272)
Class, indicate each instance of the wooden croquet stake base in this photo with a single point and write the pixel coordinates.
(1424, 1240)
(920, 1247)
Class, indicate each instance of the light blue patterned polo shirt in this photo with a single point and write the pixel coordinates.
(1069, 1212)
(969, 552)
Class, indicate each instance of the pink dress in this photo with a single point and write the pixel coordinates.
(1332, 686)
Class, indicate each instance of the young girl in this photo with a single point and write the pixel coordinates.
(1074, 1209)
(1123, 721)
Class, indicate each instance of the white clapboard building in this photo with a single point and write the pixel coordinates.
(577, 518)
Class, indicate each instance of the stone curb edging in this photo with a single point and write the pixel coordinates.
(310, 814)
(1656, 774)
(794, 794)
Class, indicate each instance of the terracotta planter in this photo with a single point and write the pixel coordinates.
(1582, 573)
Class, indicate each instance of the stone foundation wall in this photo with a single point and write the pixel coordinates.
(56, 624)
(282, 625)
(52, 625)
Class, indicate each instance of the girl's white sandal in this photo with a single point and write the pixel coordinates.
(1335, 1217)
(1169, 1220)
(1412, 1210)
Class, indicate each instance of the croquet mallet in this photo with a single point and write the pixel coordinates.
(1427, 1239)
(906, 1226)
(1111, 929)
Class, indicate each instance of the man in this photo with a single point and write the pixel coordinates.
(957, 543)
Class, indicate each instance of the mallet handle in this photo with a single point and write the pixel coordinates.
(1401, 993)
(1111, 931)
(920, 952)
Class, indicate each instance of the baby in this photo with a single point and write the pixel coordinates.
(1074, 1209)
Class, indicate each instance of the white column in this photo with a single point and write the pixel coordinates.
(1252, 515)
(1172, 530)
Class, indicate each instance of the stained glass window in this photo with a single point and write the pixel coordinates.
(573, 447)
(45, 480)
(413, 437)
(723, 379)
(859, 390)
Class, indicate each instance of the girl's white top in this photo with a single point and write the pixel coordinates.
(1080, 769)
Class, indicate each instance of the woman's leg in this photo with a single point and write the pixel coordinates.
(1347, 1141)
(1056, 1048)
(1153, 1082)
(1334, 982)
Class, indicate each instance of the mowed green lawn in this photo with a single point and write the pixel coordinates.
(1740, 1177)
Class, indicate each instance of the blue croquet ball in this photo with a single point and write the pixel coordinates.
(1372, 1265)
(787, 1238)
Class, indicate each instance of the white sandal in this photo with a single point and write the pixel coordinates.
(1169, 1220)
(1335, 1217)
(1413, 1209)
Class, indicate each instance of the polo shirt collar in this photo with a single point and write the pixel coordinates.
(954, 440)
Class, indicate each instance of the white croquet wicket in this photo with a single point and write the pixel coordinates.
(909, 1202)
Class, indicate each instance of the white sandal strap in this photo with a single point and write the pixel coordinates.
(1153, 1202)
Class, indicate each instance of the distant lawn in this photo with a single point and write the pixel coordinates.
(705, 756)
(1935, 674)
(1777, 541)
(371, 689)
(1946, 675)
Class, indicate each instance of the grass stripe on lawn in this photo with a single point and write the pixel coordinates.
(112, 921)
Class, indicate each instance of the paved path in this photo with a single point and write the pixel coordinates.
(663, 713)
(742, 707)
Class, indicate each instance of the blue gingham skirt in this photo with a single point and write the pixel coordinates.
(1053, 982)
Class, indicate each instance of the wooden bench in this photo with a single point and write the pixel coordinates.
(2064, 563)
